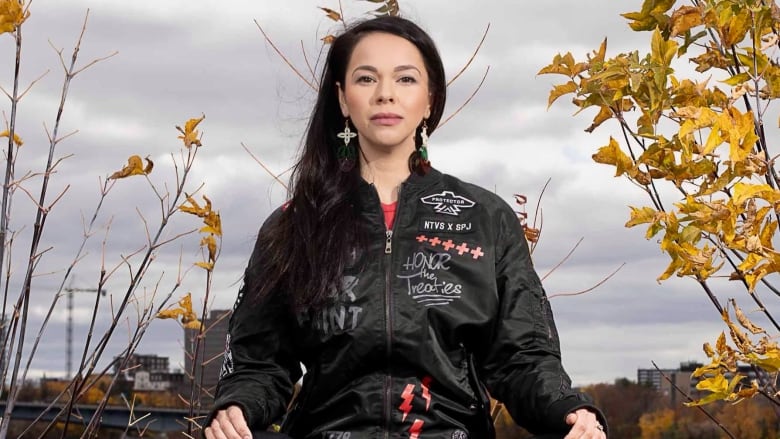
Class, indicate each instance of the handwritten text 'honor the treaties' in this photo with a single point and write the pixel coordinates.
(422, 271)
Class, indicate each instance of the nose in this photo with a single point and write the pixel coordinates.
(385, 92)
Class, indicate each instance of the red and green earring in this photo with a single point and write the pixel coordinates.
(423, 150)
(346, 153)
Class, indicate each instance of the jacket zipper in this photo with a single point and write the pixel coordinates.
(389, 312)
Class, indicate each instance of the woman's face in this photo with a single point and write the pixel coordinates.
(385, 93)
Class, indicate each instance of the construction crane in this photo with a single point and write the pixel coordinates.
(69, 328)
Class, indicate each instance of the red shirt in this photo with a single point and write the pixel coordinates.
(389, 211)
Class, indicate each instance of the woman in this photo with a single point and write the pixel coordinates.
(408, 295)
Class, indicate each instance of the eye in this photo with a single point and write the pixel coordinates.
(407, 79)
(364, 79)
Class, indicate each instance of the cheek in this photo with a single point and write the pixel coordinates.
(420, 103)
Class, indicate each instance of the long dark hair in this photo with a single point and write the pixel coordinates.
(315, 237)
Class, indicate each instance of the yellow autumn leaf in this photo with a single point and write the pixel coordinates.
(562, 65)
(734, 27)
(747, 392)
(737, 79)
(695, 118)
(135, 166)
(662, 51)
(769, 362)
(194, 208)
(560, 90)
(599, 55)
(11, 15)
(328, 39)
(149, 166)
(190, 135)
(211, 244)
(711, 368)
(740, 131)
(649, 17)
(333, 15)
(17, 139)
(715, 384)
(641, 215)
(721, 345)
(720, 388)
(184, 311)
(194, 324)
(708, 350)
(211, 219)
(744, 321)
(684, 19)
(742, 192)
(213, 225)
(169, 313)
(612, 155)
(208, 266)
(605, 113)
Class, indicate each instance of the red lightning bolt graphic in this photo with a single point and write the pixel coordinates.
(426, 382)
(408, 396)
(416, 429)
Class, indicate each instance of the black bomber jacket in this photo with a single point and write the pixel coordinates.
(445, 309)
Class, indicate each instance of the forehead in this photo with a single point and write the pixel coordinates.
(379, 49)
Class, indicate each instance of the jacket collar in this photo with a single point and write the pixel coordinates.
(414, 180)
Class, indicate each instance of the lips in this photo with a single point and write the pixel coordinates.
(386, 118)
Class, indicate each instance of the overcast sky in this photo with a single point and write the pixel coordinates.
(178, 59)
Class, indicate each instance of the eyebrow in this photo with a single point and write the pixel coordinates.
(397, 69)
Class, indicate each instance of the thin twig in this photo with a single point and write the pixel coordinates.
(5, 215)
(565, 258)
(467, 100)
(308, 65)
(601, 282)
(95, 61)
(473, 55)
(287, 61)
(21, 96)
(260, 162)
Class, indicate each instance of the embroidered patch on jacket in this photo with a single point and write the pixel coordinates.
(448, 203)
(459, 434)
(436, 225)
(474, 251)
(406, 406)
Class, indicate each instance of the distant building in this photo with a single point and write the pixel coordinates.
(210, 352)
(148, 363)
(682, 378)
(147, 373)
(679, 378)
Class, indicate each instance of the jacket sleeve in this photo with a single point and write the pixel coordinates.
(522, 367)
(260, 365)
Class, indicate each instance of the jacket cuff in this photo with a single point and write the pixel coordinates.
(252, 417)
(213, 414)
(560, 409)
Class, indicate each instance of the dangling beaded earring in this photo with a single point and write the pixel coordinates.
(346, 153)
(425, 164)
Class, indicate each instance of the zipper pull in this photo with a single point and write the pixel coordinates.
(389, 242)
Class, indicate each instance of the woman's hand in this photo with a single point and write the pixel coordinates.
(585, 425)
(228, 424)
